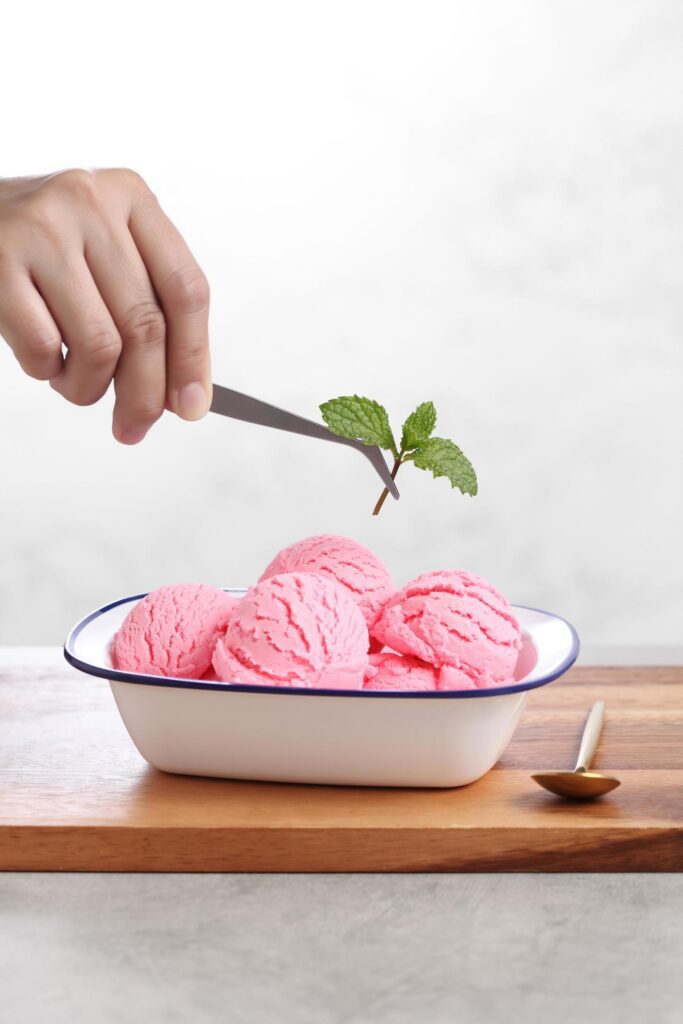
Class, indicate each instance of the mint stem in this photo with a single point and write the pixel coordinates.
(383, 495)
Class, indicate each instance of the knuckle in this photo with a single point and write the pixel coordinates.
(38, 373)
(141, 196)
(42, 213)
(77, 184)
(144, 325)
(39, 346)
(80, 395)
(190, 354)
(131, 179)
(146, 409)
(102, 348)
(127, 182)
(188, 290)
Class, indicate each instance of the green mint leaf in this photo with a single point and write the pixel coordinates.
(360, 418)
(419, 426)
(444, 458)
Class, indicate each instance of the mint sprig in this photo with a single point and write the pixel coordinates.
(359, 418)
(419, 426)
(367, 421)
(445, 459)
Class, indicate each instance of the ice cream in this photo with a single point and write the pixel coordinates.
(456, 622)
(347, 562)
(295, 629)
(173, 631)
(389, 671)
(318, 618)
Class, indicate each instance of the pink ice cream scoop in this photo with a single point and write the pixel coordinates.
(295, 629)
(457, 622)
(347, 562)
(173, 630)
(389, 671)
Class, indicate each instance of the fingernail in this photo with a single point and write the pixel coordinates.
(193, 402)
(133, 436)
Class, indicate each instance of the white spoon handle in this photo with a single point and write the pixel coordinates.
(591, 735)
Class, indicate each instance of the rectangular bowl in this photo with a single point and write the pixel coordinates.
(342, 737)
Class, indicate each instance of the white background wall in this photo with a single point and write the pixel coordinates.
(479, 204)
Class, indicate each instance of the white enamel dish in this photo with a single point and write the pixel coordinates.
(339, 737)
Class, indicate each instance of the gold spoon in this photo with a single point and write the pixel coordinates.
(582, 784)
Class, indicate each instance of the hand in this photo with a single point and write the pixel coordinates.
(89, 261)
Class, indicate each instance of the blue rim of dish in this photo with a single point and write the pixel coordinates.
(115, 675)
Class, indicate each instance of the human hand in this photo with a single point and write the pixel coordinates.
(89, 260)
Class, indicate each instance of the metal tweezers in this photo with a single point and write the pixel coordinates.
(250, 410)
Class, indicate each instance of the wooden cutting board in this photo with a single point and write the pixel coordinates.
(76, 796)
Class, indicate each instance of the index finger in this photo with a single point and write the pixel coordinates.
(183, 292)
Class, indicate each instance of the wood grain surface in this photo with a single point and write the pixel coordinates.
(76, 796)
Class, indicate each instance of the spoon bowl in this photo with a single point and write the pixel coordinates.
(581, 784)
(576, 785)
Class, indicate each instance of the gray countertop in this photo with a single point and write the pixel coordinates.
(343, 949)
